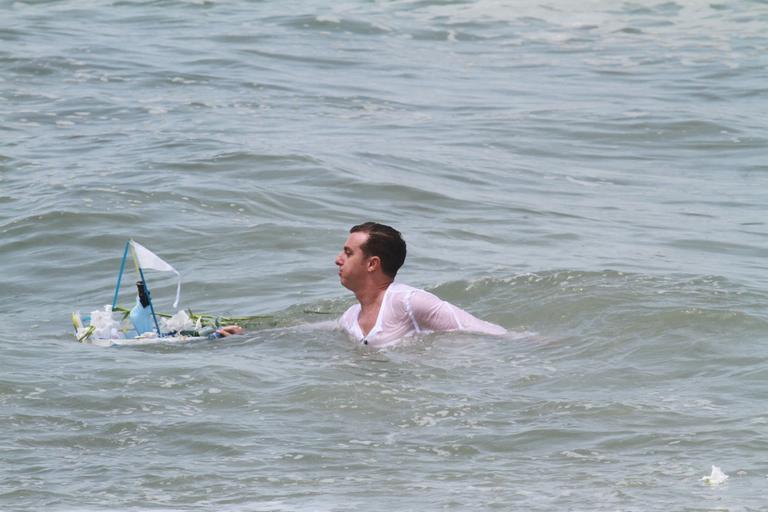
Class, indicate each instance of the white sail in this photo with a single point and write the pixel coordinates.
(147, 259)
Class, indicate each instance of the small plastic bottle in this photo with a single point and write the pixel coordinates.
(141, 315)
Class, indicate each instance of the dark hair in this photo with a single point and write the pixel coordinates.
(385, 242)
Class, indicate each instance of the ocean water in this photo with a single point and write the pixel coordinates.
(592, 175)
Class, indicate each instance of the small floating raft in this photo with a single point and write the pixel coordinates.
(141, 324)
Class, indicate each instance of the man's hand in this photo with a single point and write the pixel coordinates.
(229, 330)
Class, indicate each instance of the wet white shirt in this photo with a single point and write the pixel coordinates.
(406, 310)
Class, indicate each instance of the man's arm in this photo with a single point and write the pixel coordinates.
(434, 314)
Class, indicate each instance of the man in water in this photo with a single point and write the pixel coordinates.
(388, 311)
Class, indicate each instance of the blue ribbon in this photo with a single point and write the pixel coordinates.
(120, 274)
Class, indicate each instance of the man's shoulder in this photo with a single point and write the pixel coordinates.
(410, 292)
(399, 293)
(402, 288)
(411, 299)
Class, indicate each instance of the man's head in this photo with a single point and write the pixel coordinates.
(385, 242)
(371, 256)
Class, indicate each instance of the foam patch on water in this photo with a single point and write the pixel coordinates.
(717, 477)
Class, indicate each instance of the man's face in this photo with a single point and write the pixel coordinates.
(352, 261)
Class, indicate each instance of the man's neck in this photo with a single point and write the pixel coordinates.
(372, 296)
(370, 301)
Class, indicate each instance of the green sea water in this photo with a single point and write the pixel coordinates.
(590, 175)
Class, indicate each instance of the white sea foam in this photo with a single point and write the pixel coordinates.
(716, 477)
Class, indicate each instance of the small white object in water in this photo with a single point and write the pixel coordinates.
(716, 477)
(104, 324)
(178, 322)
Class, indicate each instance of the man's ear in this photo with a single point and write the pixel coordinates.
(374, 262)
